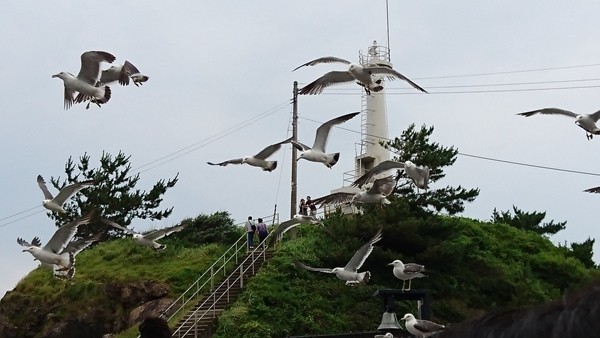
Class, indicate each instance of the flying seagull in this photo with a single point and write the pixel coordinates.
(406, 272)
(74, 248)
(377, 193)
(55, 203)
(258, 160)
(349, 272)
(118, 73)
(418, 174)
(594, 190)
(85, 81)
(289, 224)
(53, 253)
(421, 328)
(586, 121)
(362, 74)
(150, 238)
(317, 152)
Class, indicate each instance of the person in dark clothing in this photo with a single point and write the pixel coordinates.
(261, 227)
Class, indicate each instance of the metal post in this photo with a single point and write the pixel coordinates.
(294, 191)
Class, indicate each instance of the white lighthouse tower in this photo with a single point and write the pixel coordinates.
(374, 128)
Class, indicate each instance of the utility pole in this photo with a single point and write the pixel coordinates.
(294, 191)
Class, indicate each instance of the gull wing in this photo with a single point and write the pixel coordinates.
(331, 78)
(63, 235)
(335, 198)
(79, 245)
(224, 163)
(42, 184)
(427, 326)
(361, 254)
(300, 146)
(323, 131)
(594, 190)
(549, 111)
(306, 267)
(90, 65)
(595, 116)
(383, 186)
(284, 227)
(158, 234)
(116, 225)
(69, 190)
(112, 74)
(69, 100)
(381, 167)
(269, 150)
(35, 242)
(326, 59)
(376, 69)
(413, 267)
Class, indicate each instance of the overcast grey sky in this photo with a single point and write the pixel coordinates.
(215, 65)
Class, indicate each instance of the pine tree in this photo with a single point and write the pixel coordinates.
(415, 146)
(113, 196)
(531, 221)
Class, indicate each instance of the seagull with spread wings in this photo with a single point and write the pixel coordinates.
(150, 238)
(349, 273)
(362, 74)
(85, 81)
(54, 253)
(317, 152)
(421, 328)
(377, 193)
(56, 203)
(290, 224)
(586, 121)
(258, 160)
(406, 272)
(418, 174)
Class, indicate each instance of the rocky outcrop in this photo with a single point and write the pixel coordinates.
(119, 306)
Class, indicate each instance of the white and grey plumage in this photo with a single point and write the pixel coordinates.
(122, 73)
(85, 81)
(586, 121)
(418, 174)
(54, 253)
(349, 273)
(377, 193)
(74, 248)
(387, 335)
(406, 272)
(55, 203)
(258, 160)
(421, 328)
(362, 74)
(291, 223)
(317, 152)
(148, 239)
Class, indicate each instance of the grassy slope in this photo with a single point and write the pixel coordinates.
(107, 264)
(474, 267)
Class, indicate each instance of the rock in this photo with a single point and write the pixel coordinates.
(149, 309)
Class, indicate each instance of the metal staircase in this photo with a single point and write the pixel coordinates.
(198, 307)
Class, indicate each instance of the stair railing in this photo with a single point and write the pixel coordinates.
(196, 289)
(246, 267)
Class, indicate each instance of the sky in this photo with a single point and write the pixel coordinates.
(220, 88)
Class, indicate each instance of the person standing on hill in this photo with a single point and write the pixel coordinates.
(303, 207)
(261, 227)
(250, 229)
(311, 206)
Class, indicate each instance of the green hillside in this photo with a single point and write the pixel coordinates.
(473, 267)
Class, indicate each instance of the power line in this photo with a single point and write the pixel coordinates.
(476, 156)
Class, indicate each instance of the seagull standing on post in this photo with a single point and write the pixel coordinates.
(406, 272)
(421, 328)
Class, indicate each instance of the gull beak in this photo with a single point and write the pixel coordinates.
(390, 263)
(55, 75)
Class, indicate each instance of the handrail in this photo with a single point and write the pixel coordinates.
(247, 264)
(193, 292)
